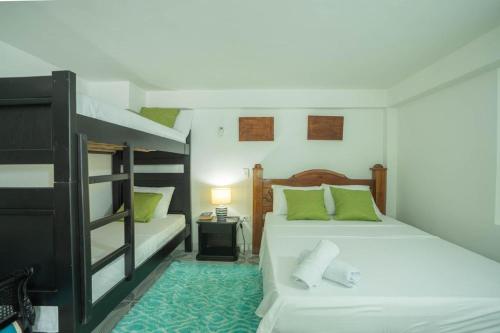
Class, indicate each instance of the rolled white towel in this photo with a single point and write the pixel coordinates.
(338, 271)
(343, 273)
(314, 264)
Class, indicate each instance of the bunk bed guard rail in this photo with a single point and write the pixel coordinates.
(86, 226)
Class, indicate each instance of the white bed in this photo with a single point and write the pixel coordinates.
(411, 281)
(93, 108)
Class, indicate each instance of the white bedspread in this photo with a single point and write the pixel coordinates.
(412, 281)
(92, 108)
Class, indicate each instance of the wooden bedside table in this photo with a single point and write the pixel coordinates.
(217, 241)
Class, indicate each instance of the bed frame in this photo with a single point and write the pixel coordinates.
(263, 192)
(49, 228)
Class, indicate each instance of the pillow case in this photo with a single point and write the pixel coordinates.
(351, 204)
(330, 204)
(306, 204)
(279, 200)
(163, 116)
(144, 206)
(161, 210)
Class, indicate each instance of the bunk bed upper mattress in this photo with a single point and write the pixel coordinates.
(149, 238)
(89, 107)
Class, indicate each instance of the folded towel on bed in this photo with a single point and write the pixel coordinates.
(343, 273)
(338, 271)
(310, 270)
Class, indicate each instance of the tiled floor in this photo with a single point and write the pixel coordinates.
(114, 317)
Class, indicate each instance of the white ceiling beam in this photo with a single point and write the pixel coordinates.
(340, 98)
(480, 55)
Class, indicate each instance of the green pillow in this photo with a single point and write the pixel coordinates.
(144, 206)
(353, 205)
(163, 116)
(306, 205)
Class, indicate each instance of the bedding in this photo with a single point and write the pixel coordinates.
(163, 116)
(89, 107)
(412, 281)
(306, 205)
(279, 200)
(144, 206)
(330, 204)
(353, 204)
(161, 210)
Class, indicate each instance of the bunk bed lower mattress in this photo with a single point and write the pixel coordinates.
(149, 238)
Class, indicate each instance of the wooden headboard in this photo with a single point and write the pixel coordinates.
(263, 193)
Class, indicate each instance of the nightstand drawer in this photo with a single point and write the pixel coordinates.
(216, 228)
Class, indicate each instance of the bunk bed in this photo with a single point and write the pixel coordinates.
(49, 228)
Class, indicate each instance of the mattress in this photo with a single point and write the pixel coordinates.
(411, 281)
(89, 107)
(149, 238)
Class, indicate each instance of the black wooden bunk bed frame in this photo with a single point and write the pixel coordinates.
(49, 228)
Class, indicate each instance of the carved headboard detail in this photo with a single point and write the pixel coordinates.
(263, 193)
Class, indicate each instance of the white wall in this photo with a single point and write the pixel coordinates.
(221, 160)
(447, 164)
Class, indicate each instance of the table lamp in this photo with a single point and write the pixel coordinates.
(221, 196)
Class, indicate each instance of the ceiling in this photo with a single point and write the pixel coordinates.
(253, 44)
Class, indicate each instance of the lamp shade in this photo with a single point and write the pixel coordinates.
(221, 195)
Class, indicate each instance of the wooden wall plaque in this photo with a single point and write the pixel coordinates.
(256, 128)
(325, 128)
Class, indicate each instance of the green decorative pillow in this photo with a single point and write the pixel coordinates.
(306, 205)
(163, 116)
(144, 206)
(353, 205)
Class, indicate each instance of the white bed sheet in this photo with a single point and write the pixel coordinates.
(411, 281)
(92, 108)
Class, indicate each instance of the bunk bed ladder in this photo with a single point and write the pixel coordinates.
(86, 226)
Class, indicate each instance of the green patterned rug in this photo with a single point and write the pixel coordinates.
(198, 297)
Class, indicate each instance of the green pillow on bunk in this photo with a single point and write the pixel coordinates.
(353, 205)
(144, 206)
(163, 116)
(306, 205)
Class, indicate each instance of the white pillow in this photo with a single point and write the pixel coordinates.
(279, 199)
(330, 204)
(161, 210)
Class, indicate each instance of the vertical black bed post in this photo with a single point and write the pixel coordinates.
(117, 187)
(188, 242)
(128, 203)
(65, 198)
(84, 223)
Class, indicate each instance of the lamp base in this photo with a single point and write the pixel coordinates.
(221, 213)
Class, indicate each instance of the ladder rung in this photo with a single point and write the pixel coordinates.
(26, 101)
(26, 211)
(108, 178)
(100, 264)
(108, 219)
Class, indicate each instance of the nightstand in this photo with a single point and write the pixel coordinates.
(217, 240)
